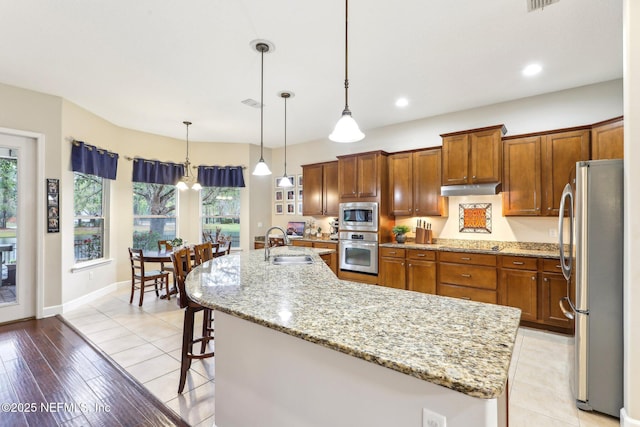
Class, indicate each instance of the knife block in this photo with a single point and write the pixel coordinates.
(423, 236)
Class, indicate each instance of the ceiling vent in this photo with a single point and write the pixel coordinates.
(539, 4)
(251, 103)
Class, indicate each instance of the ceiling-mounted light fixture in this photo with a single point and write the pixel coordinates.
(263, 47)
(285, 181)
(346, 129)
(187, 180)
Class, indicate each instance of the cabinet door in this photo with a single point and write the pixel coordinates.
(331, 200)
(348, 177)
(486, 156)
(455, 159)
(607, 141)
(392, 273)
(303, 243)
(519, 288)
(561, 151)
(421, 276)
(401, 184)
(312, 196)
(367, 175)
(554, 288)
(522, 193)
(427, 179)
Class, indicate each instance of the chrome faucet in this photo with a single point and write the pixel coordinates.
(267, 246)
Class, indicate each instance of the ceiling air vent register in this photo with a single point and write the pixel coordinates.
(539, 4)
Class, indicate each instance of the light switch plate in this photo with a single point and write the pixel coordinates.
(433, 419)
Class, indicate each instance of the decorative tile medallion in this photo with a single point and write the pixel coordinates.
(475, 217)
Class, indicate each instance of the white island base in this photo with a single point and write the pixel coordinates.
(268, 378)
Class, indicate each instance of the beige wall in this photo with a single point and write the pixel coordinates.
(567, 108)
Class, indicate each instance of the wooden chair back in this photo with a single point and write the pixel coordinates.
(207, 237)
(205, 252)
(166, 243)
(182, 266)
(137, 263)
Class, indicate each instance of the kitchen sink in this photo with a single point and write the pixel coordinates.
(292, 259)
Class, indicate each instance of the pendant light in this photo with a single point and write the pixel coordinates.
(346, 129)
(263, 47)
(285, 181)
(187, 180)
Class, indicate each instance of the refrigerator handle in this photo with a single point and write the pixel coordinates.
(566, 262)
(567, 313)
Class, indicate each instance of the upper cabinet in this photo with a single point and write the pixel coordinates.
(361, 177)
(607, 139)
(414, 181)
(320, 195)
(473, 156)
(536, 169)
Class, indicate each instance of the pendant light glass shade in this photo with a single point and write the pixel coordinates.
(187, 179)
(263, 47)
(285, 181)
(346, 129)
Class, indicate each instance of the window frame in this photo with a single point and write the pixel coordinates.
(236, 243)
(105, 208)
(175, 217)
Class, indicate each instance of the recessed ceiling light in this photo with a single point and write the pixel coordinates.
(402, 102)
(531, 70)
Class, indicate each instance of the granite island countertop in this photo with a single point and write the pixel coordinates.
(539, 250)
(462, 345)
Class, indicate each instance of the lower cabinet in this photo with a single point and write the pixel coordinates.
(421, 271)
(554, 288)
(468, 276)
(519, 285)
(391, 269)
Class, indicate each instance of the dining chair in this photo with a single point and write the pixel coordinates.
(182, 265)
(204, 252)
(207, 237)
(166, 246)
(141, 277)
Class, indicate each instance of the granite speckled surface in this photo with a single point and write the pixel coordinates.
(540, 250)
(463, 345)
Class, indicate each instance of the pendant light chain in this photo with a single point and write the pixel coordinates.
(261, 101)
(187, 163)
(285, 134)
(346, 56)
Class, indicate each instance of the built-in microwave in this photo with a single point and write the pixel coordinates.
(359, 216)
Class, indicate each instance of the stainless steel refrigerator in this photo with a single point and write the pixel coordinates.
(596, 261)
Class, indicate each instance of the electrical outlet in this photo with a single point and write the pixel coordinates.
(433, 419)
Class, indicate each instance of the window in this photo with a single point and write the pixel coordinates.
(220, 210)
(154, 214)
(89, 220)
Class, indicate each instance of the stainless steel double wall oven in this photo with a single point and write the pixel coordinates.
(358, 225)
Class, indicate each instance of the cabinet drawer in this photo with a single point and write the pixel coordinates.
(421, 254)
(468, 258)
(551, 265)
(302, 243)
(469, 275)
(463, 292)
(325, 245)
(520, 263)
(392, 252)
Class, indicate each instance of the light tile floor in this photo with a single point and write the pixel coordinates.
(146, 342)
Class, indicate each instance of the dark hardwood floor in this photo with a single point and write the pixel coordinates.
(51, 376)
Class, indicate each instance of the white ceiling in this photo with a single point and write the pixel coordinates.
(150, 64)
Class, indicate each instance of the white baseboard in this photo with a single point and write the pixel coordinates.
(51, 311)
(627, 421)
(79, 302)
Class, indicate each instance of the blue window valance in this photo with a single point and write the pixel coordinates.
(220, 176)
(156, 172)
(92, 160)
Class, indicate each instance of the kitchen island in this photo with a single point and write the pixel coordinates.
(296, 346)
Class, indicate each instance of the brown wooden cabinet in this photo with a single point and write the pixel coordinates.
(421, 271)
(519, 285)
(553, 289)
(414, 182)
(360, 176)
(391, 268)
(473, 156)
(468, 276)
(330, 259)
(320, 194)
(607, 139)
(536, 169)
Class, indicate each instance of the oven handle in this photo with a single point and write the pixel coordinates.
(357, 243)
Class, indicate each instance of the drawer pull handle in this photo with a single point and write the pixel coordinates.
(392, 252)
(421, 255)
(465, 258)
(558, 266)
(467, 298)
(518, 263)
(468, 276)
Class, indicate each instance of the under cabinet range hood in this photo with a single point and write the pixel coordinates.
(486, 189)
